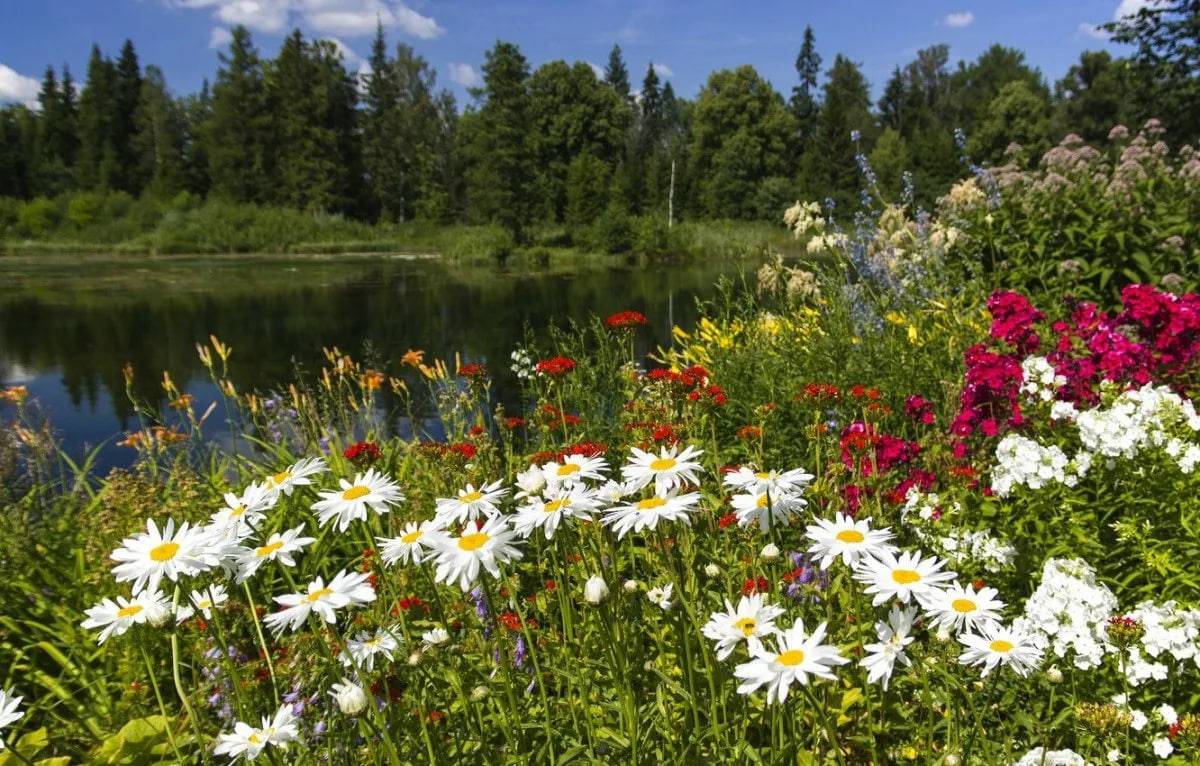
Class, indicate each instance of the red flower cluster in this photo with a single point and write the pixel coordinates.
(409, 603)
(870, 452)
(862, 392)
(464, 450)
(687, 378)
(623, 320)
(820, 392)
(991, 397)
(919, 409)
(584, 448)
(472, 371)
(556, 366)
(514, 422)
(728, 520)
(749, 433)
(752, 586)
(554, 418)
(713, 394)
(1012, 320)
(363, 452)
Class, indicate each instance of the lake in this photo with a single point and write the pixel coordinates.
(68, 324)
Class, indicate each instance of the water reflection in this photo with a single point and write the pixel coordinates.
(68, 325)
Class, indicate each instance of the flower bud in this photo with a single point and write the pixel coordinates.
(595, 590)
(1054, 675)
(350, 697)
(770, 552)
(480, 693)
(952, 759)
(712, 570)
(631, 586)
(414, 659)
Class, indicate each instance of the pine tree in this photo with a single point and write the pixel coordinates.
(804, 95)
(97, 158)
(197, 110)
(127, 92)
(238, 136)
(616, 75)
(829, 166)
(158, 141)
(381, 155)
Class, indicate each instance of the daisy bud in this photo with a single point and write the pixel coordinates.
(595, 590)
(952, 759)
(712, 570)
(350, 697)
(414, 659)
(631, 586)
(1054, 675)
(480, 693)
(770, 552)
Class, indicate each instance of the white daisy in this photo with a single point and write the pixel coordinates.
(280, 546)
(415, 544)
(248, 741)
(765, 509)
(204, 600)
(997, 645)
(961, 607)
(372, 490)
(799, 656)
(295, 475)
(661, 597)
(639, 515)
(149, 556)
(561, 501)
(849, 538)
(901, 579)
(242, 514)
(346, 589)
(149, 606)
(8, 711)
(746, 479)
(669, 469)
(435, 637)
(574, 469)
(363, 648)
(530, 482)
(749, 622)
(613, 492)
(894, 638)
(460, 558)
(470, 503)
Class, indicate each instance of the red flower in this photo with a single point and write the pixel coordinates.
(472, 371)
(556, 366)
(476, 430)
(366, 452)
(623, 320)
(464, 450)
(664, 433)
(514, 422)
(510, 621)
(752, 586)
(728, 519)
(749, 433)
(551, 585)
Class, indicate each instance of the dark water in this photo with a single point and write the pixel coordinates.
(68, 324)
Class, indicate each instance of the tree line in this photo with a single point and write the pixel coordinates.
(561, 143)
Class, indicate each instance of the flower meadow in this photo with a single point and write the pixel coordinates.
(867, 511)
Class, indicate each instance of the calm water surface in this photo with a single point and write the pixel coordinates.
(68, 324)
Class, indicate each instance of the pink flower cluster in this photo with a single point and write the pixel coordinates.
(1012, 320)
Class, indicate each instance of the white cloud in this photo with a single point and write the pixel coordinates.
(1093, 31)
(662, 70)
(219, 37)
(337, 17)
(959, 20)
(465, 75)
(352, 59)
(17, 87)
(597, 69)
(1130, 8)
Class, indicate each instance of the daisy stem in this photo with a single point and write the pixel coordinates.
(162, 708)
(533, 656)
(262, 642)
(830, 728)
(183, 698)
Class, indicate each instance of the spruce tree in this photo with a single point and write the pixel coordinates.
(829, 166)
(804, 95)
(615, 73)
(158, 140)
(97, 159)
(238, 139)
(127, 92)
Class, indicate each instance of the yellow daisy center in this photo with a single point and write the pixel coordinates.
(317, 595)
(906, 576)
(791, 657)
(204, 604)
(254, 739)
(372, 642)
(1000, 645)
(557, 505)
(568, 469)
(763, 475)
(746, 625)
(411, 537)
(268, 549)
(470, 497)
(850, 536)
(962, 605)
(355, 493)
(762, 501)
(281, 477)
(662, 464)
(650, 503)
(129, 611)
(164, 552)
(473, 541)
(241, 509)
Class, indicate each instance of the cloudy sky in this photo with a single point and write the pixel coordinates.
(684, 40)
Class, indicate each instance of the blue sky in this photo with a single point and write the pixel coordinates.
(686, 40)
